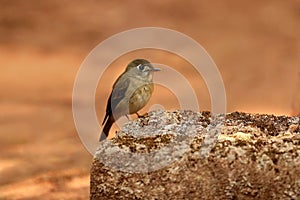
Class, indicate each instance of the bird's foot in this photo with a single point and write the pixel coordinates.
(141, 116)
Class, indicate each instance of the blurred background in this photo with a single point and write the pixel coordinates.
(255, 44)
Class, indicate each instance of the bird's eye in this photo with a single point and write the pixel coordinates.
(141, 67)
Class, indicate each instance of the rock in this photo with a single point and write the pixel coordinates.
(181, 155)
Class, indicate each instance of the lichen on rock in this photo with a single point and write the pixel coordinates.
(159, 157)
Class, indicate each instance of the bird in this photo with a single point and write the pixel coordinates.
(130, 93)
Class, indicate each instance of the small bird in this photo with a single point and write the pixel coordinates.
(130, 93)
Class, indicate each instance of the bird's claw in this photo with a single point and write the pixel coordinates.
(141, 116)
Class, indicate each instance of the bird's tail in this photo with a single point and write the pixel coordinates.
(105, 131)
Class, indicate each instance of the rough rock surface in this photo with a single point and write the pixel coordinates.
(177, 155)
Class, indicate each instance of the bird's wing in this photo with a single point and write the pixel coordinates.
(119, 90)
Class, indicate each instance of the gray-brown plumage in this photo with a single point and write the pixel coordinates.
(131, 92)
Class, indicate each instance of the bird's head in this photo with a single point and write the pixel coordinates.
(141, 67)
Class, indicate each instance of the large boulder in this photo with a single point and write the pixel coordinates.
(191, 155)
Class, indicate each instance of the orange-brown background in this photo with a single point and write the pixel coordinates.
(255, 44)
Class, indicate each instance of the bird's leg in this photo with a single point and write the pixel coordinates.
(140, 116)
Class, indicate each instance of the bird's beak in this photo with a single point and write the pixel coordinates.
(156, 69)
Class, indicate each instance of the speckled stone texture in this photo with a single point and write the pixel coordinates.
(159, 157)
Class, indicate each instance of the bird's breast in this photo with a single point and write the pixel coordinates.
(140, 97)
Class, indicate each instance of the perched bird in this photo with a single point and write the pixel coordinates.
(130, 93)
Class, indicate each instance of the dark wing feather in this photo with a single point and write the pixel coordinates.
(119, 90)
(108, 110)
